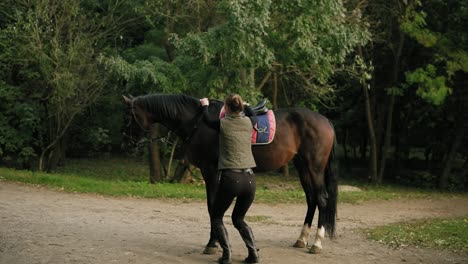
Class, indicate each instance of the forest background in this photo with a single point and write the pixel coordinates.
(390, 74)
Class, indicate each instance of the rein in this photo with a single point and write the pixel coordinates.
(165, 139)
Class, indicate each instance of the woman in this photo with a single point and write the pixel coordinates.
(237, 178)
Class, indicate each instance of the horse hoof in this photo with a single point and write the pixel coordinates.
(315, 250)
(210, 250)
(300, 244)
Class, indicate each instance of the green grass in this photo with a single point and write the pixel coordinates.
(127, 177)
(107, 169)
(73, 183)
(441, 234)
(258, 218)
(392, 192)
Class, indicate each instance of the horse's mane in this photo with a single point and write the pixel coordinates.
(170, 106)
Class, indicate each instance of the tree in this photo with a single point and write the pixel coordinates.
(446, 39)
(253, 39)
(55, 50)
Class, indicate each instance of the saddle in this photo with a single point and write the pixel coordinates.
(260, 108)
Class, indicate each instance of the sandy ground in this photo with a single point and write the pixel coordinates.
(38, 225)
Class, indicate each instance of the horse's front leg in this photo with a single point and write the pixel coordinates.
(210, 175)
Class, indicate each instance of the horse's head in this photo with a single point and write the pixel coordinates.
(137, 122)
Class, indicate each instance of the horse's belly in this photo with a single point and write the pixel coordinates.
(268, 159)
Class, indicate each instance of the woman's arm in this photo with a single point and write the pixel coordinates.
(213, 123)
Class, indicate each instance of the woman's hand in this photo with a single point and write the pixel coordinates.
(204, 101)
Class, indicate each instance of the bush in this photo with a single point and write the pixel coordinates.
(20, 127)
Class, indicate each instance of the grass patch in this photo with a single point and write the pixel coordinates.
(391, 192)
(73, 183)
(107, 169)
(441, 234)
(258, 218)
(128, 177)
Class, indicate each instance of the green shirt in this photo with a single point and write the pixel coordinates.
(235, 149)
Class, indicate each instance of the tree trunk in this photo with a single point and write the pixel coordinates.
(457, 141)
(170, 50)
(390, 108)
(464, 174)
(284, 90)
(57, 155)
(247, 77)
(275, 90)
(363, 143)
(182, 174)
(264, 80)
(154, 158)
(372, 139)
(345, 143)
(171, 158)
(48, 152)
(285, 168)
(387, 139)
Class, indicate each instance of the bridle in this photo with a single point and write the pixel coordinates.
(166, 138)
(135, 117)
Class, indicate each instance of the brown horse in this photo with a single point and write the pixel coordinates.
(302, 135)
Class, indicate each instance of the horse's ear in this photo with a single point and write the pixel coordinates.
(127, 99)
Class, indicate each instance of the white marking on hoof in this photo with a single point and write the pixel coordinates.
(315, 249)
(304, 237)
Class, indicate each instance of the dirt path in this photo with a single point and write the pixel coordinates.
(43, 226)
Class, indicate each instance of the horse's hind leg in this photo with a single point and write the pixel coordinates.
(312, 174)
(319, 236)
(303, 239)
(321, 196)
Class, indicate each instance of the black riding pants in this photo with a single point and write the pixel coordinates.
(234, 184)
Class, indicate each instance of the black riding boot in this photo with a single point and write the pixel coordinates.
(247, 236)
(223, 239)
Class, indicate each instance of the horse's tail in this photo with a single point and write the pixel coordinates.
(331, 185)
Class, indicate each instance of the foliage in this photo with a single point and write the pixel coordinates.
(55, 47)
(50, 54)
(414, 24)
(308, 40)
(442, 234)
(431, 88)
(151, 75)
(19, 123)
(449, 54)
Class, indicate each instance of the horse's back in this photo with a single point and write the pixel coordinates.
(297, 129)
(305, 120)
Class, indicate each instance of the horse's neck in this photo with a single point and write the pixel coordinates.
(183, 123)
